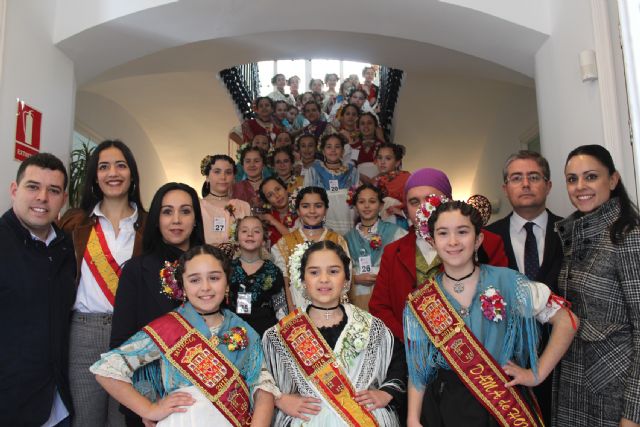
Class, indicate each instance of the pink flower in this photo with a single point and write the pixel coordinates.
(492, 304)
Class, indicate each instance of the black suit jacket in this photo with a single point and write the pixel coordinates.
(552, 256)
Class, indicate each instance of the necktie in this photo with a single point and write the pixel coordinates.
(531, 262)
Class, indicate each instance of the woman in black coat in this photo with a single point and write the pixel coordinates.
(173, 226)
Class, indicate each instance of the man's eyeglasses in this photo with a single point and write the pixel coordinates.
(532, 177)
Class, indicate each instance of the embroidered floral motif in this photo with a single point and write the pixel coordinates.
(356, 336)
(430, 204)
(492, 304)
(168, 283)
(236, 339)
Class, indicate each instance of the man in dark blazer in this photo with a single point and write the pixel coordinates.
(527, 182)
(37, 287)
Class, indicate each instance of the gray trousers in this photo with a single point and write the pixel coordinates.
(92, 405)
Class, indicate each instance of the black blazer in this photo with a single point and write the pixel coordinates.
(552, 257)
(138, 300)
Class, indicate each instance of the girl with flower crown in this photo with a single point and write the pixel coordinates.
(209, 362)
(283, 216)
(256, 285)
(367, 241)
(311, 204)
(334, 363)
(471, 332)
(336, 177)
(174, 224)
(219, 210)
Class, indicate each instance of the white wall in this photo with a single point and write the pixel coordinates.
(464, 126)
(110, 121)
(569, 109)
(37, 72)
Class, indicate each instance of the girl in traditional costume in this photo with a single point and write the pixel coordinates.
(334, 363)
(471, 333)
(264, 123)
(317, 126)
(348, 120)
(107, 232)
(336, 178)
(391, 181)
(219, 210)
(311, 204)
(173, 226)
(253, 160)
(278, 82)
(283, 161)
(210, 360)
(282, 218)
(363, 150)
(367, 241)
(308, 149)
(256, 284)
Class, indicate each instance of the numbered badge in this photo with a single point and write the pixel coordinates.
(334, 186)
(243, 305)
(219, 224)
(365, 264)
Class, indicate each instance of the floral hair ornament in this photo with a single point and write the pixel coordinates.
(482, 205)
(351, 196)
(169, 284)
(492, 304)
(431, 203)
(204, 165)
(240, 149)
(295, 261)
(236, 339)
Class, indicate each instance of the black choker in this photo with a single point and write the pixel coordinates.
(217, 196)
(211, 313)
(312, 227)
(327, 315)
(458, 286)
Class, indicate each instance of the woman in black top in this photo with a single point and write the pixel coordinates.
(174, 225)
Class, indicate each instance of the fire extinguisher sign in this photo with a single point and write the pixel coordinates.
(28, 125)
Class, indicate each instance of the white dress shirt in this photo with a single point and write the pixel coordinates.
(518, 236)
(90, 298)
